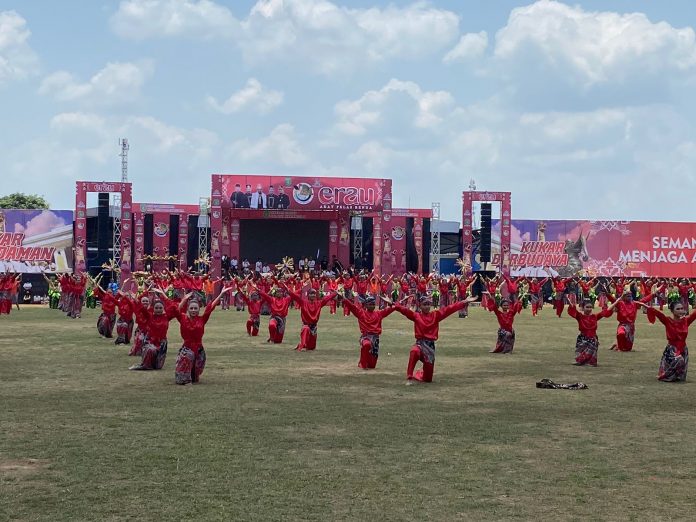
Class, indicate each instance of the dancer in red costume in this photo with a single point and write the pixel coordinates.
(626, 312)
(190, 362)
(536, 295)
(370, 324)
(587, 343)
(253, 301)
(506, 317)
(156, 326)
(559, 286)
(674, 364)
(107, 319)
(124, 323)
(426, 327)
(310, 311)
(280, 305)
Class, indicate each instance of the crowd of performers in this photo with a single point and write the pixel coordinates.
(141, 317)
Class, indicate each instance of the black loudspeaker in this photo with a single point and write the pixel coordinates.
(485, 248)
(103, 228)
(173, 239)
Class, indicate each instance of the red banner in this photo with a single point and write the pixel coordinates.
(600, 248)
(303, 193)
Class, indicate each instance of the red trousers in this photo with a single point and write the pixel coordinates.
(252, 327)
(624, 341)
(332, 307)
(424, 375)
(274, 335)
(558, 306)
(367, 360)
(346, 310)
(308, 340)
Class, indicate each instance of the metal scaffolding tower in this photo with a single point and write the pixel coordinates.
(435, 239)
(356, 226)
(203, 226)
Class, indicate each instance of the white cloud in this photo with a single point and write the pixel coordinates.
(117, 82)
(327, 37)
(470, 46)
(252, 96)
(17, 59)
(592, 47)
(280, 148)
(356, 117)
(141, 19)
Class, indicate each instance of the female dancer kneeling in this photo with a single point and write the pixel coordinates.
(675, 359)
(506, 317)
(587, 343)
(191, 359)
(155, 328)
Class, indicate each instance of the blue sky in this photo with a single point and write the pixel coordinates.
(582, 110)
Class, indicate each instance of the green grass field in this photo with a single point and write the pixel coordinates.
(272, 434)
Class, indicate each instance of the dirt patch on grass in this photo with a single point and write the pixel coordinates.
(20, 468)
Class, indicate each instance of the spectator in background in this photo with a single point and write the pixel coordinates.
(248, 194)
(234, 265)
(259, 265)
(245, 265)
(301, 264)
(324, 264)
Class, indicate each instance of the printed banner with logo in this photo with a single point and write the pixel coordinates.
(34, 241)
(600, 248)
(304, 193)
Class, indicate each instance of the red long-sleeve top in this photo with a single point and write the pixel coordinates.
(193, 328)
(627, 312)
(463, 287)
(511, 285)
(587, 324)
(427, 326)
(677, 330)
(369, 322)
(157, 326)
(141, 314)
(253, 304)
(559, 285)
(125, 308)
(108, 301)
(536, 286)
(310, 311)
(279, 305)
(506, 319)
(361, 286)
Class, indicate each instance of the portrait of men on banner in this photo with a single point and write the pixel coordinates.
(282, 199)
(239, 199)
(258, 198)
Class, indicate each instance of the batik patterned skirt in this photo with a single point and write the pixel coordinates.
(374, 342)
(280, 323)
(139, 341)
(505, 342)
(674, 364)
(586, 350)
(427, 349)
(105, 324)
(154, 356)
(189, 365)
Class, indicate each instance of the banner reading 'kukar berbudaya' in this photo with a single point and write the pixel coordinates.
(600, 248)
(304, 193)
(34, 241)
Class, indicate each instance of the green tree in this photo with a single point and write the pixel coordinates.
(26, 201)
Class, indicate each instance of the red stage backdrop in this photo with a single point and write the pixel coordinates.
(393, 231)
(304, 193)
(601, 248)
(238, 197)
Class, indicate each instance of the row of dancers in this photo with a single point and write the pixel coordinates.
(426, 318)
